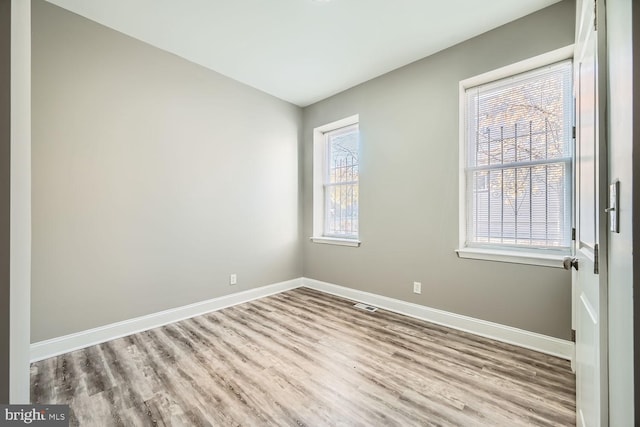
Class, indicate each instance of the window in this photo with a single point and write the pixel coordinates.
(335, 182)
(516, 178)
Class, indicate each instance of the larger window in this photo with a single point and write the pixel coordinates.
(517, 166)
(336, 182)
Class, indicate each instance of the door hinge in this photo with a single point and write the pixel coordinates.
(573, 233)
(573, 335)
(573, 133)
(596, 261)
(595, 15)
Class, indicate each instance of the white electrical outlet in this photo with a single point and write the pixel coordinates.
(233, 279)
(417, 287)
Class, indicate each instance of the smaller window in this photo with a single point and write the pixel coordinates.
(336, 168)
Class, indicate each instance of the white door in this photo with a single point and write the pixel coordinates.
(589, 280)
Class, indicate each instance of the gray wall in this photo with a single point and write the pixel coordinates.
(5, 201)
(153, 179)
(409, 187)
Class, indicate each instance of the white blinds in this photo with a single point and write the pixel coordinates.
(341, 189)
(519, 160)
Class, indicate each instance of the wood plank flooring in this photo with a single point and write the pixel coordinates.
(305, 358)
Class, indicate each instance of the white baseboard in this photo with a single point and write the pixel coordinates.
(538, 342)
(542, 343)
(55, 346)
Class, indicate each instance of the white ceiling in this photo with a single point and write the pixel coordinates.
(302, 51)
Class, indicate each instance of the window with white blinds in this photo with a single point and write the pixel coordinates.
(518, 160)
(336, 181)
(341, 182)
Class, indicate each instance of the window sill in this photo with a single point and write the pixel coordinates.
(516, 257)
(336, 241)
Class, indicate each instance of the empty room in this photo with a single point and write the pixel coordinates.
(318, 212)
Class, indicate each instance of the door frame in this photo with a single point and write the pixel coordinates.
(603, 201)
(20, 203)
(635, 19)
(603, 197)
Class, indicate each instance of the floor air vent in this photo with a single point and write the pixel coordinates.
(365, 307)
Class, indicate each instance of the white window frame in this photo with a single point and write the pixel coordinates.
(319, 172)
(531, 256)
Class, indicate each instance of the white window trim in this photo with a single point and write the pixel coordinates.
(542, 257)
(319, 152)
(513, 256)
(336, 241)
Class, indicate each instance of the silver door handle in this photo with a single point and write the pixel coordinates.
(570, 261)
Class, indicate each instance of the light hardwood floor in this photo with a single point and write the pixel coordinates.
(305, 358)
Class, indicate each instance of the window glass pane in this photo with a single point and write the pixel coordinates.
(519, 157)
(343, 154)
(342, 210)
